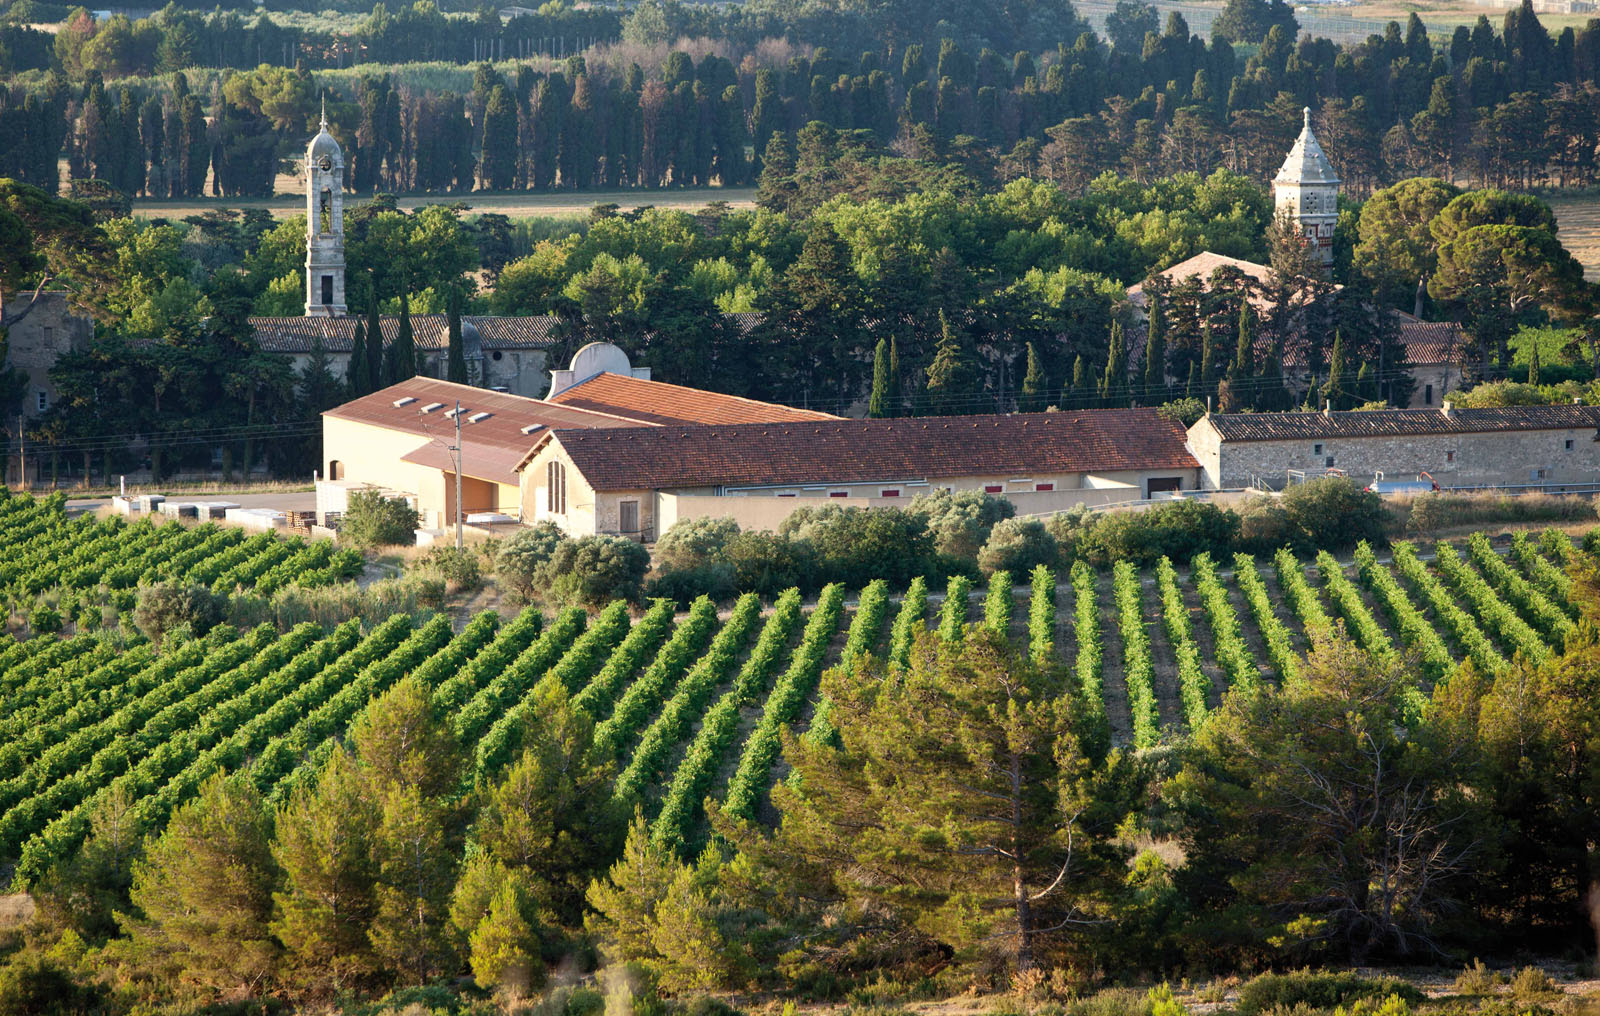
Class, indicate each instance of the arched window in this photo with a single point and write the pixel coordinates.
(556, 487)
(325, 212)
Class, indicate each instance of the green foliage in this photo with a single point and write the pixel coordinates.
(373, 520)
(1179, 530)
(1137, 669)
(167, 607)
(1333, 513)
(594, 570)
(1192, 681)
(519, 557)
(953, 612)
(853, 546)
(1319, 990)
(960, 521)
(1018, 545)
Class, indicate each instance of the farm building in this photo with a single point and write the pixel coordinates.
(1537, 445)
(639, 481)
(400, 439)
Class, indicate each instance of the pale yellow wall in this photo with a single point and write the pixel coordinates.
(372, 455)
(579, 519)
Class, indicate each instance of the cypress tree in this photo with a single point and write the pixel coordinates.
(1033, 384)
(1072, 393)
(374, 356)
(896, 394)
(1192, 389)
(1272, 396)
(357, 376)
(1336, 391)
(457, 369)
(405, 344)
(1114, 389)
(878, 405)
(1533, 364)
(1208, 361)
(1366, 385)
(951, 376)
(1241, 373)
(1155, 356)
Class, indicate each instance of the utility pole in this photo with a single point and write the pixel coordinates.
(457, 450)
(22, 454)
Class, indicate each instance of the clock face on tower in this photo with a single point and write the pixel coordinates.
(326, 163)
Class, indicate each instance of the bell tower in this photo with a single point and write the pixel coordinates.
(324, 224)
(1307, 189)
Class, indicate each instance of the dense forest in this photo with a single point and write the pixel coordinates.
(1515, 108)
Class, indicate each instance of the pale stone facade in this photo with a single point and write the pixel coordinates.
(1482, 458)
(49, 331)
(324, 226)
(1307, 190)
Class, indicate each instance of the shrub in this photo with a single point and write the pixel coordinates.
(695, 543)
(959, 522)
(372, 520)
(768, 563)
(1178, 530)
(1532, 982)
(1478, 979)
(1264, 526)
(1186, 411)
(1017, 546)
(44, 619)
(520, 556)
(460, 569)
(593, 571)
(1318, 990)
(856, 545)
(166, 606)
(1431, 512)
(1333, 513)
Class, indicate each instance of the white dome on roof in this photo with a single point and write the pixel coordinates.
(324, 144)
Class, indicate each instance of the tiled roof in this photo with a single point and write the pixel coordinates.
(1399, 422)
(504, 427)
(864, 451)
(485, 461)
(658, 402)
(430, 332)
(1306, 163)
(1203, 265)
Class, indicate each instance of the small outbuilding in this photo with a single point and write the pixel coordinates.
(1502, 447)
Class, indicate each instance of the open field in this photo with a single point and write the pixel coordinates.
(519, 205)
(1578, 220)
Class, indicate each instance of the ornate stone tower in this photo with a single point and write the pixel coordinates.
(324, 225)
(1307, 189)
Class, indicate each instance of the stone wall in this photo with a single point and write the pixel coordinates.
(49, 331)
(1501, 458)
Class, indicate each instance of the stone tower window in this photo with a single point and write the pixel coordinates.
(325, 216)
(327, 290)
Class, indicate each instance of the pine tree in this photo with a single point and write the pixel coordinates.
(952, 377)
(323, 844)
(878, 406)
(457, 369)
(1033, 384)
(205, 890)
(1155, 355)
(505, 944)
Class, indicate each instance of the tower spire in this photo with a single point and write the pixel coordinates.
(325, 111)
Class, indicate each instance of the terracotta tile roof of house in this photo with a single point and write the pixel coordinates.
(659, 402)
(865, 451)
(1400, 422)
(513, 422)
(430, 332)
(496, 463)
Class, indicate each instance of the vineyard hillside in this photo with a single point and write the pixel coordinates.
(690, 705)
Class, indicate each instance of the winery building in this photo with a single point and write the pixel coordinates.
(1504, 447)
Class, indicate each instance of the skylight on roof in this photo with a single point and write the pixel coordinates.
(406, 401)
(478, 417)
(430, 407)
(454, 412)
(532, 427)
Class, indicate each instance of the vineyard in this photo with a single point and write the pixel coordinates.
(687, 706)
(94, 563)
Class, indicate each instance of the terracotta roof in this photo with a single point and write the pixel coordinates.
(484, 461)
(1399, 422)
(1429, 341)
(430, 332)
(864, 451)
(504, 427)
(659, 402)
(1203, 265)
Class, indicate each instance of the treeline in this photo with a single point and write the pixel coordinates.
(1515, 108)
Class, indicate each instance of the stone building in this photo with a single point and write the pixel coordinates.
(640, 481)
(1509, 447)
(1306, 189)
(324, 225)
(50, 330)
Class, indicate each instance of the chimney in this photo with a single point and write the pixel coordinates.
(1327, 410)
(1448, 408)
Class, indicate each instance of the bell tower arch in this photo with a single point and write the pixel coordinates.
(324, 225)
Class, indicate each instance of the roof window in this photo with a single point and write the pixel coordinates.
(533, 428)
(478, 417)
(430, 407)
(453, 413)
(398, 403)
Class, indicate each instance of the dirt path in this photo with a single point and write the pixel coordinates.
(1205, 640)
(1251, 632)
(1163, 661)
(1066, 630)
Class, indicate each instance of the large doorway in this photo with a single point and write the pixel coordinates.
(1162, 485)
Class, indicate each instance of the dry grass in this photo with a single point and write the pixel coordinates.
(15, 910)
(1578, 220)
(289, 201)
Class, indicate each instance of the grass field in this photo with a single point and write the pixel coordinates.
(517, 205)
(1578, 219)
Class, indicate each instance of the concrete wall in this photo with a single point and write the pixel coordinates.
(1503, 458)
